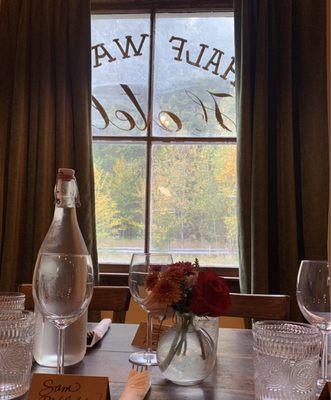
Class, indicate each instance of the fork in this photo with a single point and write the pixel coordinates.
(89, 337)
(142, 368)
(139, 367)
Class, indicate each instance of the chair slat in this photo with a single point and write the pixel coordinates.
(117, 299)
(259, 306)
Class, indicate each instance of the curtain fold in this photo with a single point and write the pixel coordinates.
(45, 92)
(282, 141)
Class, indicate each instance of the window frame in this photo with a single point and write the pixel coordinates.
(152, 7)
(140, 6)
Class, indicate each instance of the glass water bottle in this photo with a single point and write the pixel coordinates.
(63, 237)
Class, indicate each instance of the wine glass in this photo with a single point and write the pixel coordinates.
(62, 290)
(141, 265)
(313, 296)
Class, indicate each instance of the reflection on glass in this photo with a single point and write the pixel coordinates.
(194, 202)
(119, 173)
(120, 64)
(194, 75)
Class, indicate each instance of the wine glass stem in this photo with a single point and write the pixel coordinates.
(60, 351)
(324, 363)
(149, 332)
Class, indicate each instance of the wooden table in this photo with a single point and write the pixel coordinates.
(232, 378)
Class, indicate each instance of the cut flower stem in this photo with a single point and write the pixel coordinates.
(179, 343)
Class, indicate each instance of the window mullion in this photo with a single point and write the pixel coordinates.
(149, 134)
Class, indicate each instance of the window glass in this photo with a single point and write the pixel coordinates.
(194, 75)
(120, 179)
(120, 65)
(194, 202)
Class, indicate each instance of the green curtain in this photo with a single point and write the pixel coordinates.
(45, 92)
(282, 141)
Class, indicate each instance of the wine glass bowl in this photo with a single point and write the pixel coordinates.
(313, 297)
(62, 290)
(142, 264)
(137, 285)
(313, 293)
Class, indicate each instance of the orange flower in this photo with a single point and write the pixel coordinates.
(174, 273)
(151, 280)
(167, 291)
(180, 271)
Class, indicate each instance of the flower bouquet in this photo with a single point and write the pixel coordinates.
(187, 352)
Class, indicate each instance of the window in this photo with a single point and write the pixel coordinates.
(164, 135)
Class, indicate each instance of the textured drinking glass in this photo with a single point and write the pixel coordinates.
(286, 360)
(12, 301)
(141, 265)
(16, 341)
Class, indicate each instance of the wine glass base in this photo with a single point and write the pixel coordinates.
(143, 358)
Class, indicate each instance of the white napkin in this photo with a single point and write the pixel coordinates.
(99, 331)
(137, 386)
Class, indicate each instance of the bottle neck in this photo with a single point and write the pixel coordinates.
(66, 194)
(64, 235)
(66, 198)
(65, 215)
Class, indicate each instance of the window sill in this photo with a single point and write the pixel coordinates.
(117, 275)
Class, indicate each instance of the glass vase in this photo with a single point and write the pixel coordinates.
(186, 354)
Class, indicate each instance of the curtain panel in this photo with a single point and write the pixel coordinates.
(282, 141)
(45, 92)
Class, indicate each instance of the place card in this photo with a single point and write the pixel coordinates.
(73, 387)
(140, 338)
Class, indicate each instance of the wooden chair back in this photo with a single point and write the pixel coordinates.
(259, 306)
(105, 298)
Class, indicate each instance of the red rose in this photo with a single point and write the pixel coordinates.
(210, 295)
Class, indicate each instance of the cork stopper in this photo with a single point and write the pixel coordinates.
(66, 174)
